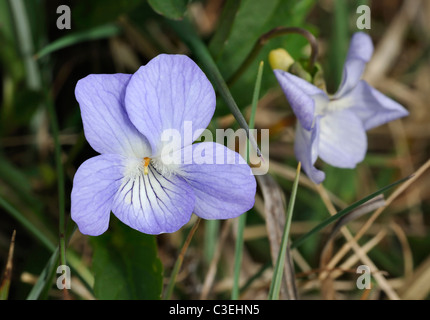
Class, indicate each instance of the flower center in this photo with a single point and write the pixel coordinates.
(145, 163)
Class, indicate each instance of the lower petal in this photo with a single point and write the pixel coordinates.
(343, 141)
(94, 185)
(222, 181)
(154, 204)
(306, 150)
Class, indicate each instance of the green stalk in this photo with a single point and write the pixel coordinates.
(343, 212)
(60, 177)
(242, 219)
(275, 285)
(179, 260)
(210, 239)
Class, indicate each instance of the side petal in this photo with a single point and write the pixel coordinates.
(373, 107)
(306, 150)
(170, 93)
(300, 94)
(94, 185)
(153, 203)
(222, 181)
(106, 123)
(343, 141)
(359, 53)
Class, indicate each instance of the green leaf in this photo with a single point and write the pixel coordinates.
(172, 9)
(126, 265)
(89, 14)
(253, 19)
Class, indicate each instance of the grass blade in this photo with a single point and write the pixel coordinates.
(5, 283)
(275, 285)
(44, 282)
(242, 218)
(343, 212)
(100, 32)
(27, 224)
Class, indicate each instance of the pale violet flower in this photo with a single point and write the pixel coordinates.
(124, 118)
(334, 127)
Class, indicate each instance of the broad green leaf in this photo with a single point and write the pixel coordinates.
(88, 14)
(172, 9)
(126, 265)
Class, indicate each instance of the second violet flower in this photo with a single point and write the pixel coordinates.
(334, 127)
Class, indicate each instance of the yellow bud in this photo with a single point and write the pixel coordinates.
(280, 59)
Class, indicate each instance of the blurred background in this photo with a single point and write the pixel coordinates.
(40, 122)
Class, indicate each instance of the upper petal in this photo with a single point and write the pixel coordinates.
(106, 123)
(222, 181)
(359, 53)
(300, 95)
(170, 93)
(306, 150)
(95, 183)
(343, 141)
(373, 107)
(153, 203)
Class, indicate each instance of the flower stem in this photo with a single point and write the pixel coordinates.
(242, 218)
(275, 285)
(179, 260)
(276, 32)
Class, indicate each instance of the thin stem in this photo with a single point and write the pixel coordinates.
(179, 261)
(275, 286)
(60, 177)
(276, 32)
(242, 218)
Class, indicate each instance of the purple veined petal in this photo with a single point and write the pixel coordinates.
(222, 181)
(306, 150)
(359, 53)
(343, 141)
(106, 124)
(94, 185)
(300, 95)
(373, 107)
(170, 93)
(152, 203)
